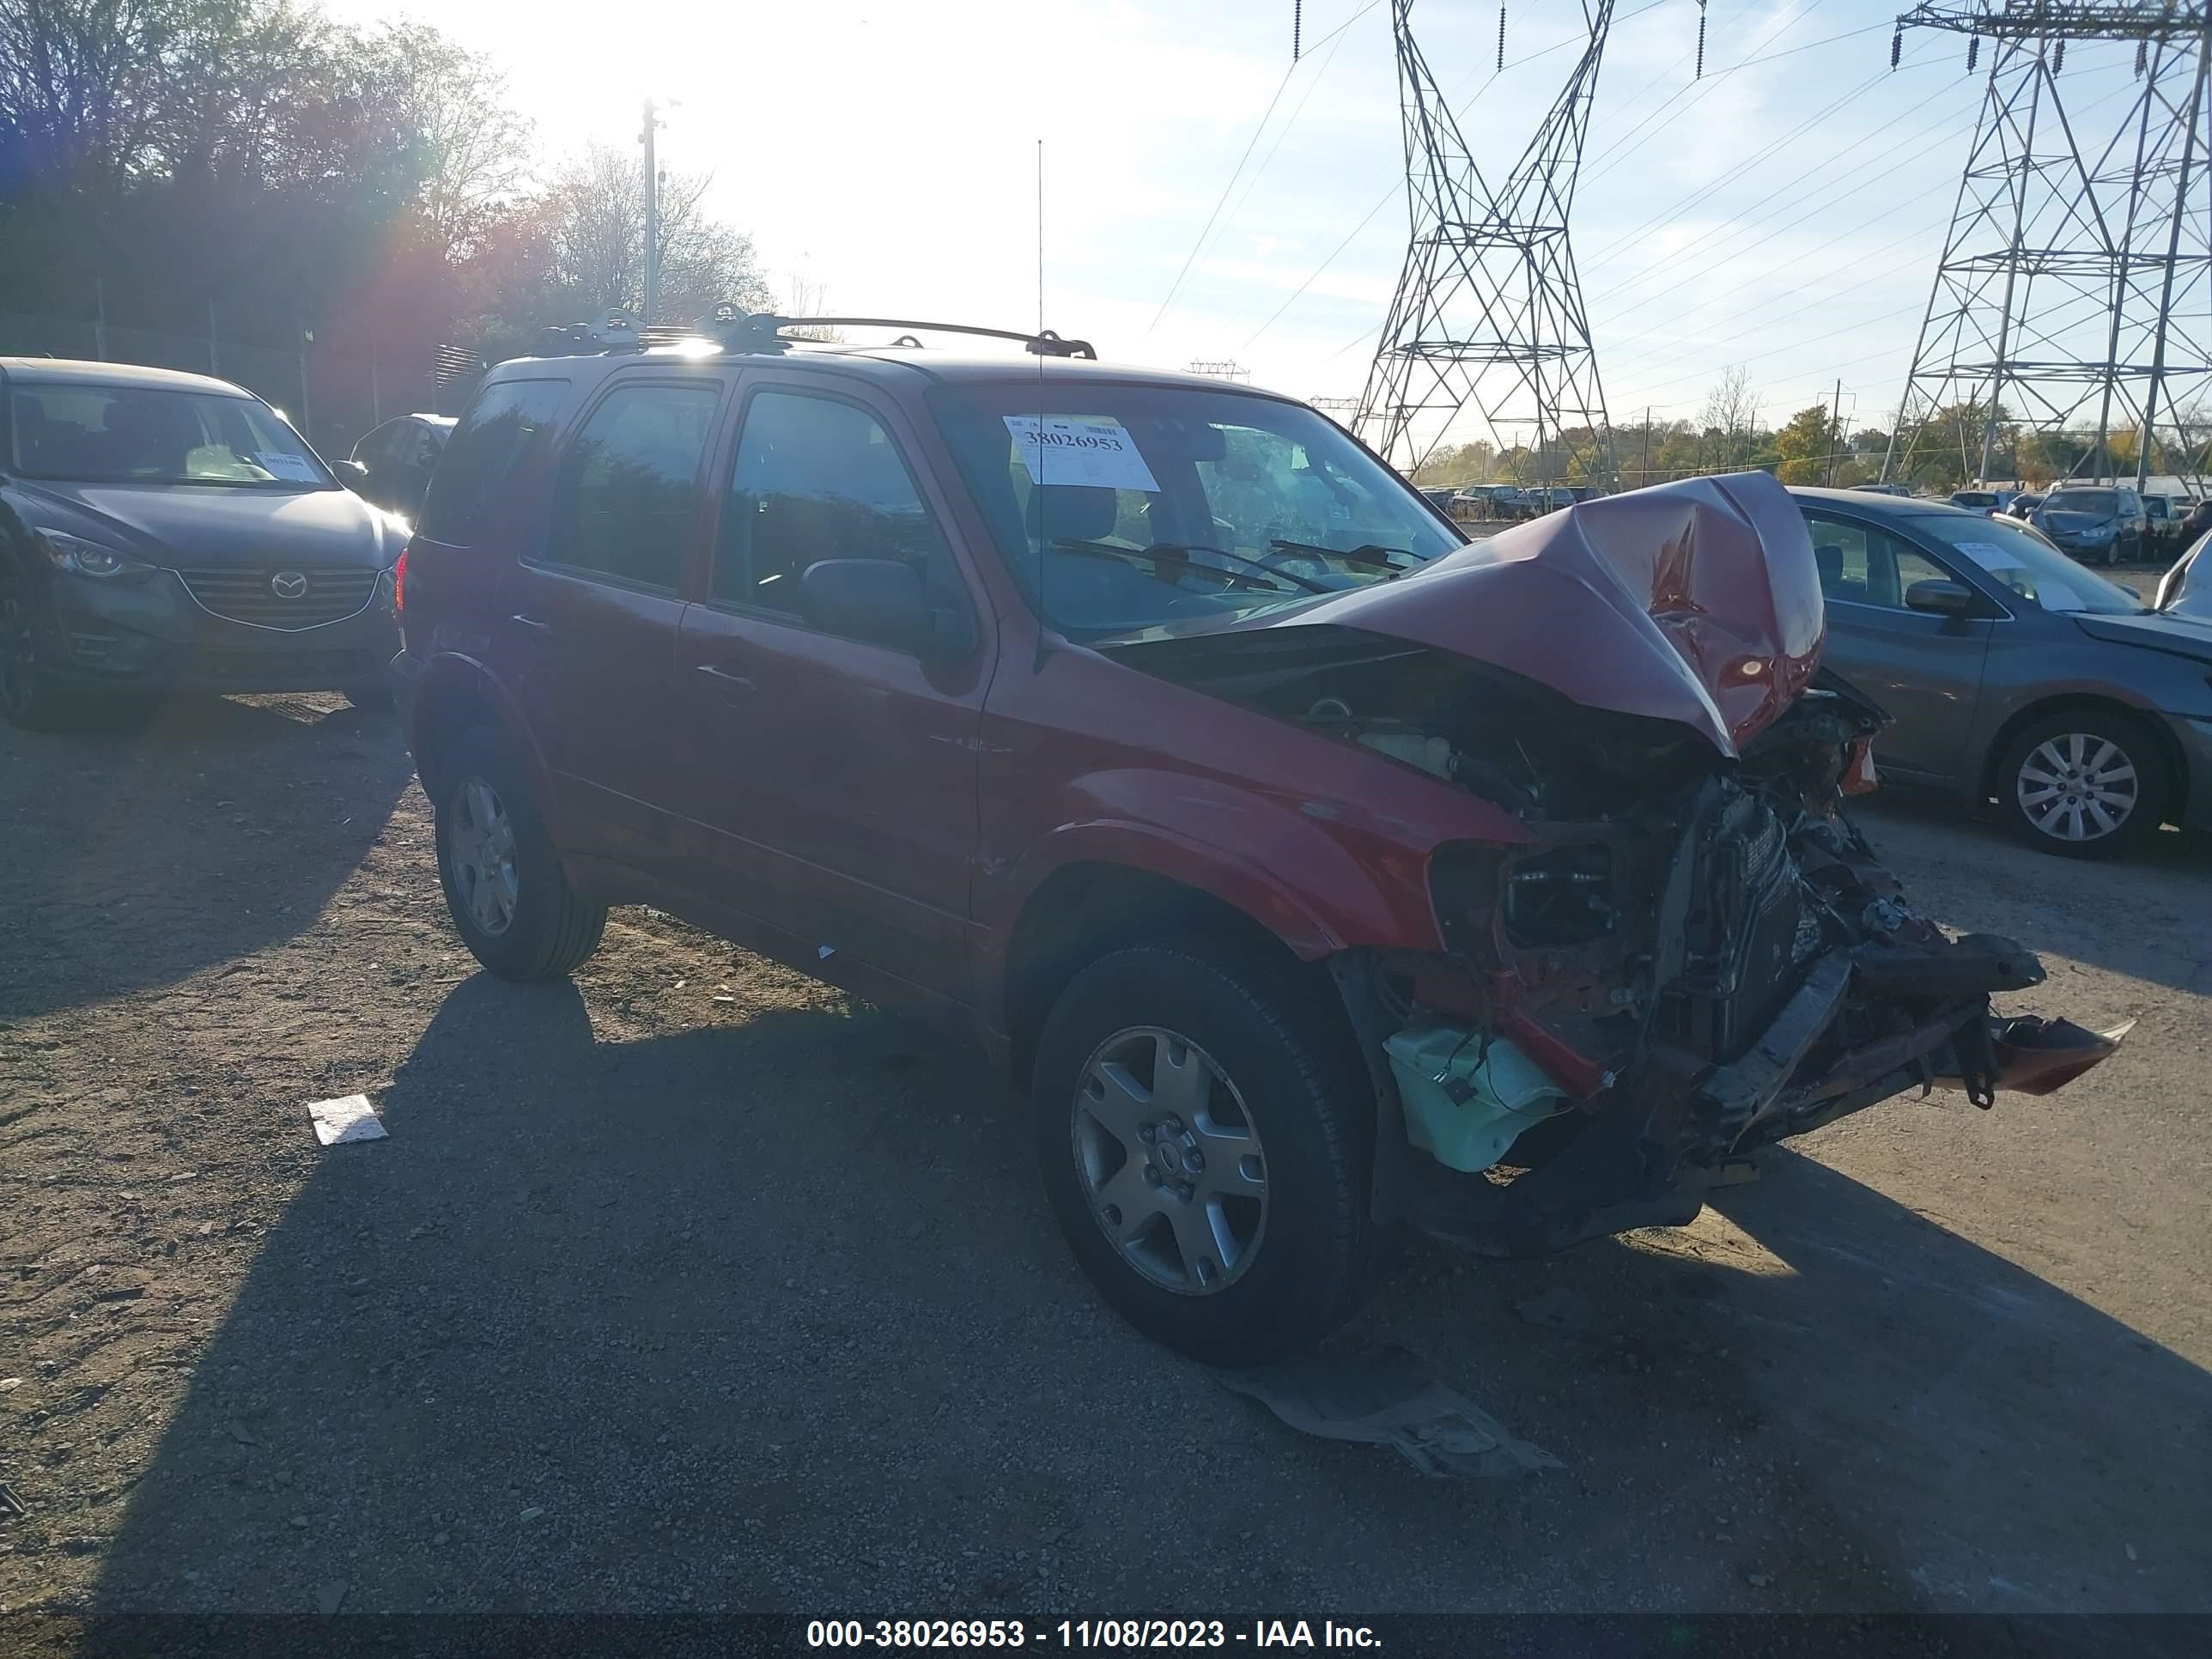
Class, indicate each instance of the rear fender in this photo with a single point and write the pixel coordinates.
(451, 679)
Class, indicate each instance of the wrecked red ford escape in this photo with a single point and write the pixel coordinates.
(1316, 873)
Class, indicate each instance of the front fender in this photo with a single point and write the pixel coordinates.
(1321, 875)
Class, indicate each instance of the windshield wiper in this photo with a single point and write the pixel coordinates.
(1177, 555)
(1367, 553)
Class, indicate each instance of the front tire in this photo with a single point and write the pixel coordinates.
(2090, 784)
(509, 897)
(28, 697)
(1206, 1133)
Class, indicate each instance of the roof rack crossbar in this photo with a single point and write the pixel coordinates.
(763, 329)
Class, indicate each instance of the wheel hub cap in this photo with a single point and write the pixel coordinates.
(482, 846)
(1169, 1161)
(2078, 788)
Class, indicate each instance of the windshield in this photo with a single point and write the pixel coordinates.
(1973, 498)
(1165, 504)
(2102, 502)
(89, 434)
(2031, 568)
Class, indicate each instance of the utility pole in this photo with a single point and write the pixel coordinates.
(2172, 258)
(1644, 472)
(215, 357)
(99, 317)
(651, 219)
(1835, 416)
(1489, 312)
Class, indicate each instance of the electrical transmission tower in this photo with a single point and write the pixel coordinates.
(1489, 310)
(2071, 299)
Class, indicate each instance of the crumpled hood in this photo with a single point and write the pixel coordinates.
(2073, 524)
(174, 525)
(1698, 602)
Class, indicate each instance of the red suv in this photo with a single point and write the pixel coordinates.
(1314, 872)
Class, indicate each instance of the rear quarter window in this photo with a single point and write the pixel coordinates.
(503, 424)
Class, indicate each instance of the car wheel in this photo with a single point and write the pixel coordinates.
(1206, 1137)
(2086, 785)
(508, 894)
(27, 697)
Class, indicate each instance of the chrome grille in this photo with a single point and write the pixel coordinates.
(245, 594)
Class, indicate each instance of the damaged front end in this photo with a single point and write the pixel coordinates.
(1694, 952)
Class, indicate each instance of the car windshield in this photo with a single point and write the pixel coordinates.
(1165, 504)
(2102, 502)
(1973, 498)
(2029, 567)
(90, 433)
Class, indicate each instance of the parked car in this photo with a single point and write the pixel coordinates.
(1982, 500)
(162, 531)
(2101, 524)
(2023, 505)
(1882, 490)
(391, 465)
(2012, 673)
(1443, 497)
(2185, 590)
(1303, 862)
(1475, 502)
(2164, 517)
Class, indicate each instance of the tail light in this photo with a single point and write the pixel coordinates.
(399, 584)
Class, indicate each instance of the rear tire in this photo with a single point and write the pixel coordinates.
(1259, 1241)
(509, 897)
(2088, 785)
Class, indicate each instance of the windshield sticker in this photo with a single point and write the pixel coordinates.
(1058, 451)
(298, 469)
(1989, 556)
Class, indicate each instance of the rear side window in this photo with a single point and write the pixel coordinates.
(819, 479)
(494, 434)
(623, 504)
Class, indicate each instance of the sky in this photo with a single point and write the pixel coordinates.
(1783, 213)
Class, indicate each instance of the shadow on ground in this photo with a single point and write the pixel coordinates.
(136, 848)
(770, 1316)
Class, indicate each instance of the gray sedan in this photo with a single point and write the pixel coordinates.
(2013, 672)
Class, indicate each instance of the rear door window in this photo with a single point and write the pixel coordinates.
(627, 493)
(500, 427)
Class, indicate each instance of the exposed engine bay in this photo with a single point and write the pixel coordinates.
(1694, 952)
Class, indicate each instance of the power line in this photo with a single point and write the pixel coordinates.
(1253, 143)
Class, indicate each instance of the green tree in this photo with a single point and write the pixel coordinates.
(1803, 447)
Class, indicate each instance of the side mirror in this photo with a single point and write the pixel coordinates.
(1945, 598)
(882, 600)
(352, 474)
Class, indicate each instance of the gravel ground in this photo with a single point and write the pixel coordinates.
(692, 1285)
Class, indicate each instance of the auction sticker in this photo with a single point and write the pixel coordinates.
(1062, 449)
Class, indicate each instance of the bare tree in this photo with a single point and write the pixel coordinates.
(594, 212)
(475, 149)
(1731, 416)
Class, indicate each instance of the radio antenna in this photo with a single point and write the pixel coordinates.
(1037, 478)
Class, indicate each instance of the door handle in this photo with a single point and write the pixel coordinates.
(735, 682)
(531, 623)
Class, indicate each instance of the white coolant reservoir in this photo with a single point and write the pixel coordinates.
(1466, 1103)
(1431, 755)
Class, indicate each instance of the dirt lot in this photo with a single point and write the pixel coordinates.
(691, 1285)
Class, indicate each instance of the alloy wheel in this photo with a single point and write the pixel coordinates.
(1169, 1160)
(2078, 787)
(482, 845)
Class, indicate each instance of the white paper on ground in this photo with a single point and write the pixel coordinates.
(349, 1118)
(1058, 450)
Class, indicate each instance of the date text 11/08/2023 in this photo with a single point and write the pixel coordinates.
(1085, 1633)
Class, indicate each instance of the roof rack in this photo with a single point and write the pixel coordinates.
(763, 331)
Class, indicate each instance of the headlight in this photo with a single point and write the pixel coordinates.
(73, 553)
(2097, 533)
